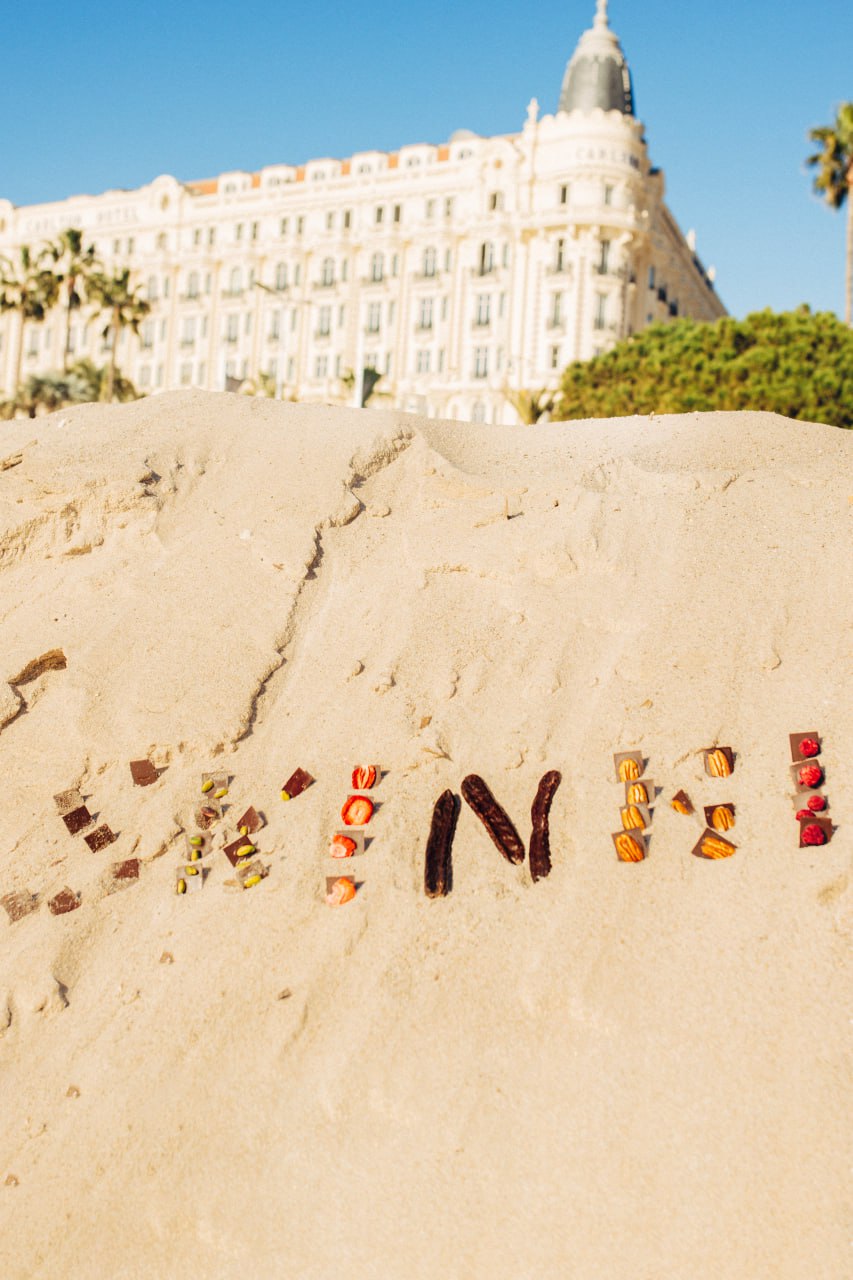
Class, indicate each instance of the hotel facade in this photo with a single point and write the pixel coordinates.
(457, 271)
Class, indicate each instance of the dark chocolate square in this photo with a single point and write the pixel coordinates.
(710, 833)
(250, 819)
(19, 904)
(230, 850)
(709, 809)
(298, 782)
(78, 820)
(99, 838)
(796, 738)
(825, 825)
(127, 870)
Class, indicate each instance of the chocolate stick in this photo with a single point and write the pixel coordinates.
(494, 818)
(540, 842)
(438, 866)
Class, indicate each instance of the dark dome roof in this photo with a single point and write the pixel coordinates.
(597, 75)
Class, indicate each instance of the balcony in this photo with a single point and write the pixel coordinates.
(186, 343)
(232, 293)
(556, 324)
(325, 284)
(481, 322)
(423, 327)
(321, 335)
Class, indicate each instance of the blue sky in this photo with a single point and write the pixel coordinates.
(101, 94)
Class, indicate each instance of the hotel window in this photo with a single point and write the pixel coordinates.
(145, 375)
(165, 286)
(483, 312)
(600, 311)
(481, 362)
(275, 324)
(294, 320)
(376, 267)
(247, 324)
(603, 257)
(559, 255)
(197, 236)
(430, 209)
(448, 207)
(378, 214)
(330, 221)
(388, 362)
(204, 326)
(347, 219)
(281, 276)
(211, 235)
(422, 362)
(448, 259)
(651, 277)
(238, 231)
(235, 280)
(255, 226)
(555, 357)
(429, 262)
(202, 370)
(291, 369)
(392, 311)
(478, 412)
(496, 201)
(425, 315)
(324, 322)
(486, 259)
(159, 375)
(345, 270)
(327, 276)
(116, 247)
(564, 193)
(151, 289)
(321, 368)
(297, 274)
(441, 360)
(208, 282)
(282, 227)
(186, 374)
(300, 226)
(192, 284)
(373, 317)
(499, 359)
(32, 341)
(147, 335)
(232, 328)
(444, 308)
(501, 304)
(342, 315)
(162, 330)
(338, 363)
(131, 244)
(608, 195)
(188, 335)
(395, 264)
(272, 369)
(398, 212)
(556, 309)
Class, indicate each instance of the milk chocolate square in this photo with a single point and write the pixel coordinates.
(64, 901)
(143, 773)
(709, 834)
(19, 904)
(251, 819)
(709, 809)
(796, 738)
(645, 814)
(298, 782)
(638, 758)
(648, 786)
(825, 825)
(127, 870)
(727, 752)
(806, 786)
(230, 851)
(683, 798)
(78, 820)
(99, 838)
(640, 838)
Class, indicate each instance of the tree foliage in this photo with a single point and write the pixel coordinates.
(794, 363)
(833, 179)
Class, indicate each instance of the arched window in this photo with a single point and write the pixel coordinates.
(429, 261)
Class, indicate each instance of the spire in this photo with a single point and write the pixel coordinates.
(597, 77)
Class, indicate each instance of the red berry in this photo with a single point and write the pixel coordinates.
(816, 803)
(811, 775)
(803, 814)
(809, 747)
(813, 834)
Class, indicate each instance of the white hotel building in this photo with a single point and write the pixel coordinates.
(455, 270)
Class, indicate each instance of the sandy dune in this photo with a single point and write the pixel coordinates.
(621, 1071)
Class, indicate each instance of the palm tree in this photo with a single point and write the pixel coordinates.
(76, 265)
(532, 405)
(834, 180)
(370, 377)
(115, 297)
(29, 287)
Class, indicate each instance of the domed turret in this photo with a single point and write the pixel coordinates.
(597, 75)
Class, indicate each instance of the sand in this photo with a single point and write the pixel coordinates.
(618, 1071)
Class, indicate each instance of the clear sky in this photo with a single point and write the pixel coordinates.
(110, 93)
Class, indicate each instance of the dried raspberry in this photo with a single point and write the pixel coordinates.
(816, 803)
(809, 747)
(813, 834)
(803, 814)
(811, 775)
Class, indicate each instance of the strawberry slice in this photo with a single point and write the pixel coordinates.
(363, 777)
(343, 890)
(344, 847)
(357, 811)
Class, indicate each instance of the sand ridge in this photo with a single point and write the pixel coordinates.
(618, 1070)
